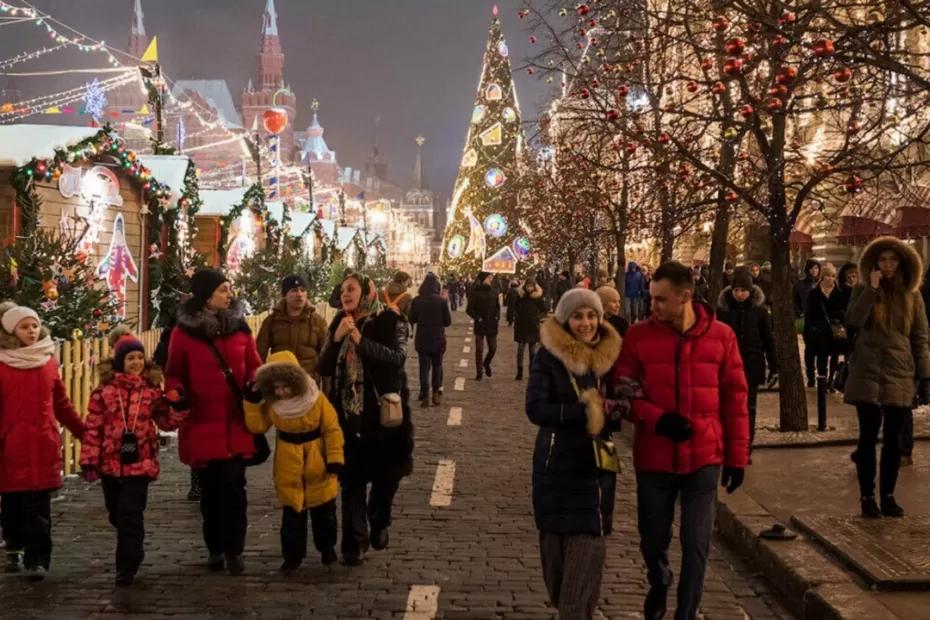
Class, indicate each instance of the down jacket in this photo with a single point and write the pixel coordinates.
(699, 374)
(303, 335)
(751, 323)
(372, 450)
(138, 400)
(32, 404)
(484, 309)
(571, 495)
(884, 367)
(301, 479)
(529, 308)
(215, 428)
(431, 314)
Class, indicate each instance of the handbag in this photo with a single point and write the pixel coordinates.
(262, 449)
(605, 450)
(838, 331)
(391, 409)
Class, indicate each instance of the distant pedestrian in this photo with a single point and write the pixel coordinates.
(484, 308)
(510, 301)
(889, 355)
(611, 300)
(824, 324)
(396, 294)
(562, 286)
(634, 293)
(33, 403)
(120, 445)
(529, 309)
(308, 455)
(742, 307)
(692, 419)
(701, 286)
(430, 313)
(294, 325)
(603, 279)
(574, 489)
(801, 290)
(762, 280)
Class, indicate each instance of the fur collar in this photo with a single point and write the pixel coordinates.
(536, 294)
(726, 296)
(284, 372)
(577, 357)
(911, 264)
(202, 325)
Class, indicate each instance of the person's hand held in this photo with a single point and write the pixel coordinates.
(732, 478)
(345, 326)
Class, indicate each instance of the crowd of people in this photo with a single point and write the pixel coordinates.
(643, 346)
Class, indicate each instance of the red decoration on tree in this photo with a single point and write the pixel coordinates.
(532, 38)
(853, 184)
(718, 88)
(720, 23)
(692, 87)
(823, 48)
(733, 66)
(735, 46)
(747, 111)
(274, 120)
(843, 75)
(774, 104)
(623, 90)
(583, 9)
(731, 197)
(664, 138)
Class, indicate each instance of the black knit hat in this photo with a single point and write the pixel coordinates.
(741, 278)
(204, 282)
(295, 280)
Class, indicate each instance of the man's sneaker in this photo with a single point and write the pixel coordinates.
(36, 574)
(329, 556)
(14, 561)
(216, 562)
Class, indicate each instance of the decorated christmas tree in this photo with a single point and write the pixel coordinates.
(484, 229)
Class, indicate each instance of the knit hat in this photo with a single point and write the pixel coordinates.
(741, 278)
(204, 282)
(13, 316)
(608, 294)
(578, 298)
(289, 283)
(125, 346)
(482, 275)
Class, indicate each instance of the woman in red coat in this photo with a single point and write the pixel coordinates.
(214, 439)
(32, 398)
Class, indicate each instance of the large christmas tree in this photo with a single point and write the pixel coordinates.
(484, 231)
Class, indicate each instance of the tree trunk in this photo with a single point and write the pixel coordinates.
(792, 398)
(718, 250)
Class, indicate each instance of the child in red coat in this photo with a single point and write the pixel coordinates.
(32, 403)
(121, 446)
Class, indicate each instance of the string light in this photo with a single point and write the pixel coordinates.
(27, 56)
(14, 111)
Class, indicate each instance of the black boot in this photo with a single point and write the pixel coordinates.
(478, 375)
(193, 494)
(329, 556)
(216, 562)
(379, 538)
(520, 373)
(235, 564)
(656, 603)
(487, 368)
(890, 507)
(870, 508)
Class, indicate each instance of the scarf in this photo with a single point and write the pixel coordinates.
(297, 406)
(350, 374)
(26, 358)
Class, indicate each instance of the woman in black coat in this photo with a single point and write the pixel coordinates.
(484, 309)
(529, 308)
(365, 358)
(430, 313)
(573, 497)
(742, 307)
(824, 312)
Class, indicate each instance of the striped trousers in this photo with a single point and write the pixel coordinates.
(573, 565)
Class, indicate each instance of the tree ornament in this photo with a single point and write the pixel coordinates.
(853, 184)
(664, 138)
(730, 133)
(843, 75)
(583, 9)
(623, 90)
(733, 66)
(718, 88)
(746, 111)
(274, 120)
(77, 334)
(730, 197)
(50, 289)
(692, 87)
(720, 23)
(707, 64)
(735, 46)
(774, 105)
(823, 48)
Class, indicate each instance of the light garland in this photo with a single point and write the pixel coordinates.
(14, 111)
(27, 56)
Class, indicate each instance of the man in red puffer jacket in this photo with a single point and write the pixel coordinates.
(693, 419)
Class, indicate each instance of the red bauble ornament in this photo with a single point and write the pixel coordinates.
(823, 48)
(692, 87)
(532, 38)
(664, 138)
(733, 66)
(779, 90)
(718, 88)
(747, 111)
(707, 64)
(720, 23)
(529, 70)
(774, 104)
(612, 115)
(585, 93)
(631, 147)
(843, 75)
(779, 40)
(853, 184)
(788, 18)
(623, 90)
(735, 46)
(731, 197)
(274, 120)
(853, 127)
(583, 9)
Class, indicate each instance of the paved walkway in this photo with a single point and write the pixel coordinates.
(463, 544)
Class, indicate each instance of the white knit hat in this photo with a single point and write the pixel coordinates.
(14, 315)
(578, 298)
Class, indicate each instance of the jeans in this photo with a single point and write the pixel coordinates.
(870, 421)
(482, 360)
(125, 499)
(361, 509)
(430, 361)
(294, 530)
(223, 504)
(634, 309)
(521, 347)
(753, 399)
(26, 519)
(656, 493)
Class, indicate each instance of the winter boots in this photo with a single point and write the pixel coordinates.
(869, 508)
(193, 495)
(519, 373)
(890, 507)
(14, 561)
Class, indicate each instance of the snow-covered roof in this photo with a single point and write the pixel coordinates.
(220, 201)
(168, 169)
(216, 93)
(299, 221)
(20, 143)
(344, 234)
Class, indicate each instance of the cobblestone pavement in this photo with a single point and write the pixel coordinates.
(478, 554)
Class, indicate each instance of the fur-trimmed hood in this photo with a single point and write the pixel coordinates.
(911, 264)
(536, 294)
(284, 367)
(723, 300)
(577, 357)
(202, 325)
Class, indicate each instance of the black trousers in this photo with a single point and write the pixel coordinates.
(870, 421)
(430, 365)
(125, 499)
(361, 508)
(809, 364)
(26, 519)
(907, 434)
(521, 347)
(482, 360)
(294, 530)
(223, 504)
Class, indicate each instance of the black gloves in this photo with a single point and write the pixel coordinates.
(923, 392)
(732, 478)
(674, 426)
(334, 468)
(251, 394)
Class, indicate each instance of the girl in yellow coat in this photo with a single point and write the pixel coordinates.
(307, 458)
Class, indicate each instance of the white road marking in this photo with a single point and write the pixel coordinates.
(467, 338)
(442, 485)
(463, 363)
(455, 416)
(466, 349)
(460, 384)
(422, 603)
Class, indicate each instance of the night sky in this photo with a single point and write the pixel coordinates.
(414, 63)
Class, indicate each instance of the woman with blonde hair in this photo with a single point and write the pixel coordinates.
(889, 358)
(824, 318)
